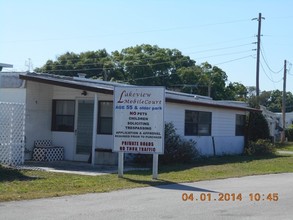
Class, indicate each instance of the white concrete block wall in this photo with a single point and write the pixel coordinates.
(229, 145)
(16, 95)
(38, 112)
(104, 141)
(68, 139)
(223, 129)
(175, 113)
(204, 144)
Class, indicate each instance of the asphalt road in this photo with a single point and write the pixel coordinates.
(165, 202)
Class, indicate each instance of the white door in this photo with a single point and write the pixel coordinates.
(84, 129)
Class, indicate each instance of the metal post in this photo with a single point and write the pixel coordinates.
(284, 104)
(120, 164)
(94, 129)
(155, 166)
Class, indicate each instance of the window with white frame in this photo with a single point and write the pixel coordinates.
(240, 125)
(105, 117)
(198, 123)
(63, 115)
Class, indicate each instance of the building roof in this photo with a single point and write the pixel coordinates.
(107, 87)
(5, 65)
(191, 99)
(11, 80)
(71, 82)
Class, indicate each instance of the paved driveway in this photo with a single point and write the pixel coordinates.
(247, 198)
(73, 167)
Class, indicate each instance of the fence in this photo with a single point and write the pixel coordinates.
(12, 119)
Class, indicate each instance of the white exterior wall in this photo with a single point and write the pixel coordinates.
(12, 89)
(288, 119)
(38, 113)
(16, 95)
(223, 129)
(68, 139)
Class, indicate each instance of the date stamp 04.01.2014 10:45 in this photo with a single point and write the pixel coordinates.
(233, 197)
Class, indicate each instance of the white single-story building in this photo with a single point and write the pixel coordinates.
(274, 123)
(12, 108)
(62, 109)
(288, 119)
(12, 89)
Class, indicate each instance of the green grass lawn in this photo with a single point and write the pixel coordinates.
(286, 146)
(24, 184)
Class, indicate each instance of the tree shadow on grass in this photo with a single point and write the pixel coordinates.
(164, 184)
(8, 174)
(208, 161)
(236, 158)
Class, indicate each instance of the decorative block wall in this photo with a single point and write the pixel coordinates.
(48, 153)
(44, 151)
(12, 133)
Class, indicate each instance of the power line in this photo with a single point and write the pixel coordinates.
(268, 76)
(135, 32)
(229, 61)
(145, 59)
(285, 17)
(218, 55)
(265, 60)
(105, 68)
(290, 66)
(137, 60)
(97, 57)
(222, 48)
(148, 77)
(216, 43)
(142, 65)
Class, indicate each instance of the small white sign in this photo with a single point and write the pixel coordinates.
(138, 125)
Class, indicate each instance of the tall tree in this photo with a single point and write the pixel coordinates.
(272, 100)
(92, 63)
(213, 81)
(275, 101)
(236, 91)
(150, 65)
(189, 79)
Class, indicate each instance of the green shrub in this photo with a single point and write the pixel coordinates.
(176, 149)
(289, 133)
(259, 148)
(257, 127)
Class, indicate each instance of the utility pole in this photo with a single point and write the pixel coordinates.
(210, 89)
(29, 64)
(105, 75)
(284, 103)
(258, 55)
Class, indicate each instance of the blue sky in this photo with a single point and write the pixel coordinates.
(219, 32)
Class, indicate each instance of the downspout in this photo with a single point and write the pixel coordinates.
(214, 146)
(94, 129)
